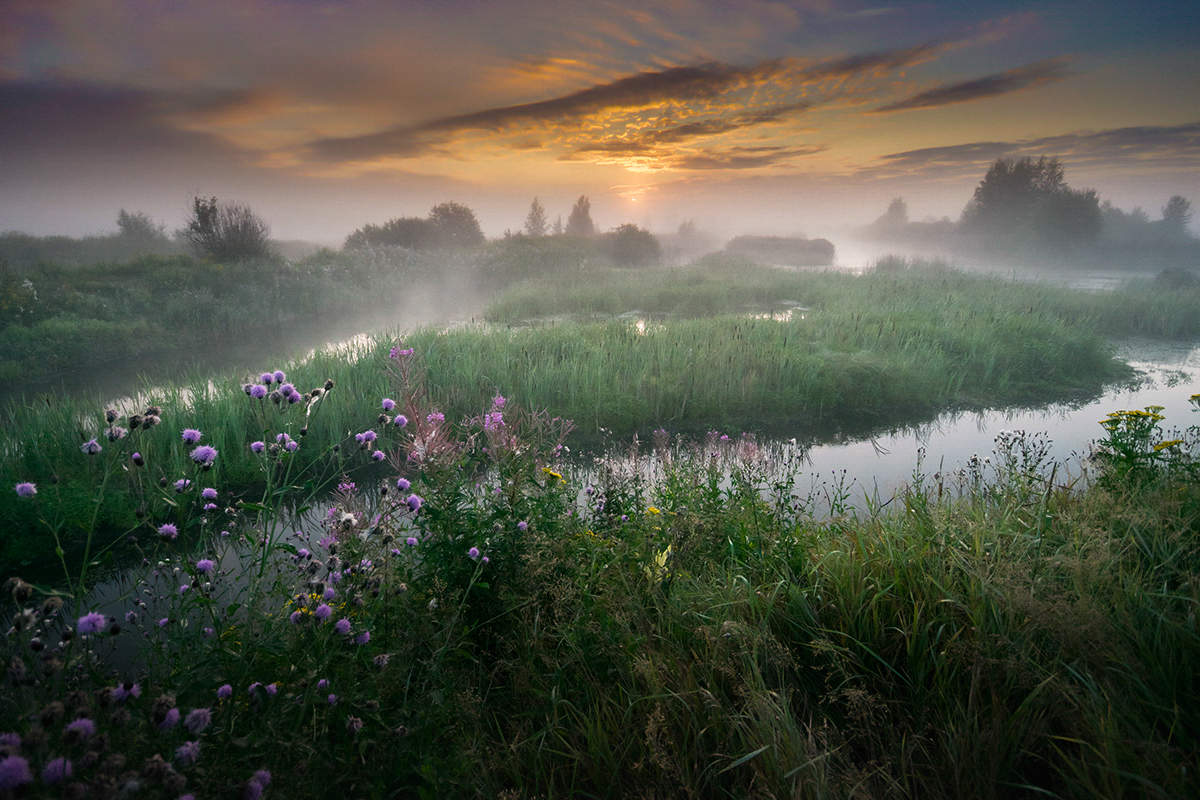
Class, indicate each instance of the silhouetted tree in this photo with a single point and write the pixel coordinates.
(455, 225)
(535, 220)
(411, 232)
(225, 231)
(1028, 200)
(557, 230)
(139, 228)
(579, 223)
(1176, 215)
(631, 245)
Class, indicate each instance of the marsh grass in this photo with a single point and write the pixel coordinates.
(702, 634)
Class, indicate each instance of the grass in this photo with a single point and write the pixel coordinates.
(995, 633)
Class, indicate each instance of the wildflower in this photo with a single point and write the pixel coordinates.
(369, 436)
(279, 376)
(168, 531)
(435, 418)
(396, 353)
(1158, 448)
(191, 436)
(522, 526)
(208, 493)
(170, 720)
(91, 447)
(272, 689)
(82, 728)
(258, 391)
(287, 390)
(362, 638)
(414, 503)
(197, 719)
(323, 684)
(204, 455)
(473, 553)
(262, 777)
(131, 617)
(342, 626)
(493, 421)
(354, 724)
(14, 772)
(382, 659)
(90, 623)
(181, 485)
(499, 400)
(209, 632)
(225, 691)
(257, 447)
(402, 484)
(411, 541)
(137, 460)
(26, 489)
(652, 510)
(210, 507)
(388, 404)
(378, 455)
(329, 593)
(184, 588)
(162, 623)
(323, 612)
(266, 378)
(115, 433)
(292, 446)
(188, 753)
(332, 699)
(296, 617)
(58, 769)
(400, 421)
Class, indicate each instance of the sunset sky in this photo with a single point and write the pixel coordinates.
(786, 117)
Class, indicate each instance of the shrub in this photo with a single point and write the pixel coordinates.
(632, 246)
(225, 231)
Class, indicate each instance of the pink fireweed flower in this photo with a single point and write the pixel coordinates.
(90, 447)
(204, 455)
(435, 418)
(168, 531)
(57, 770)
(90, 623)
(493, 421)
(205, 565)
(378, 455)
(388, 404)
(342, 626)
(191, 436)
(257, 447)
(499, 400)
(26, 489)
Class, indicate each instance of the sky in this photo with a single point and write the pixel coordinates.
(796, 118)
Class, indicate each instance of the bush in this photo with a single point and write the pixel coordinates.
(631, 246)
(225, 231)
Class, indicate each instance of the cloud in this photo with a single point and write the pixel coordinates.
(742, 157)
(1013, 80)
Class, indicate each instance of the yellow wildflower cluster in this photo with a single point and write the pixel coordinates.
(653, 510)
(561, 480)
(1115, 419)
(1158, 448)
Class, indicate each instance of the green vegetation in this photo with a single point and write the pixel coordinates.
(992, 634)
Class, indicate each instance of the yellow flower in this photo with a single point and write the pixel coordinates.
(1164, 445)
(652, 510)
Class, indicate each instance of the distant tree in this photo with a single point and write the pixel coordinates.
(1176, 215)
(557, 230)
(579, 223)
(225, 231)
(455, 225)
(138, 227)
(630, 245)
(1028, 200)
(896, 215)
(535, 221)
(411, 232)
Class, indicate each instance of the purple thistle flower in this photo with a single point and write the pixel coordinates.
(205, 565)
(170, 720)
(137, 459)
(369, 436)
(414, 503)
(296, 617)
(262, 777)
(522, 526)
(26, 489)
(378, 455)
(329, 593)
(14, 772)
(400, 421)
(191, 436)
(252, 791)
(287, 390)
(322, 612)
(362, 638)
(254, 687)
(388, 404)
(131, 617)
(342, 626)
(257, 447)
(360, 438)
(197, 719)
(323, 684)
(184, 588)
(266, 378)
(272, 689)
(473, 553)
(224, 691)
(162, 623)
(58, 769)
(484, 559)
(168, 531)
(90, 623)
(188, 753)
(210, 507)
(181, 485)
(332, 699)
(411, 541)
(292, 446)
(90, 447)
(209, 632)
(82, 728)
(204, 455)
(402, 484)
(279, 376)
(208, 493)
(258, 391)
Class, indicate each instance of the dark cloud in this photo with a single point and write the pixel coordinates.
(742, 157)
(1013, 80)
(880, 61)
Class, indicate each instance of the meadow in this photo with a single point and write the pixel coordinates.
(472, 621)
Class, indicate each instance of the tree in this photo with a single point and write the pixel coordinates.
(1176, 215)
(138, 227)
(225, 231)
(535, 221)
(557, 230)
(1029, 200)
(455, 225)
(411, 232)
(631, 245)
(579, 223)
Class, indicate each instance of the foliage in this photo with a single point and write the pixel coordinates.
(448, 225)
(1176, 215)
(535, 220)
(225, 231)
(1028, 200)
(579, 222)
(455, 225)
(630, 245)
